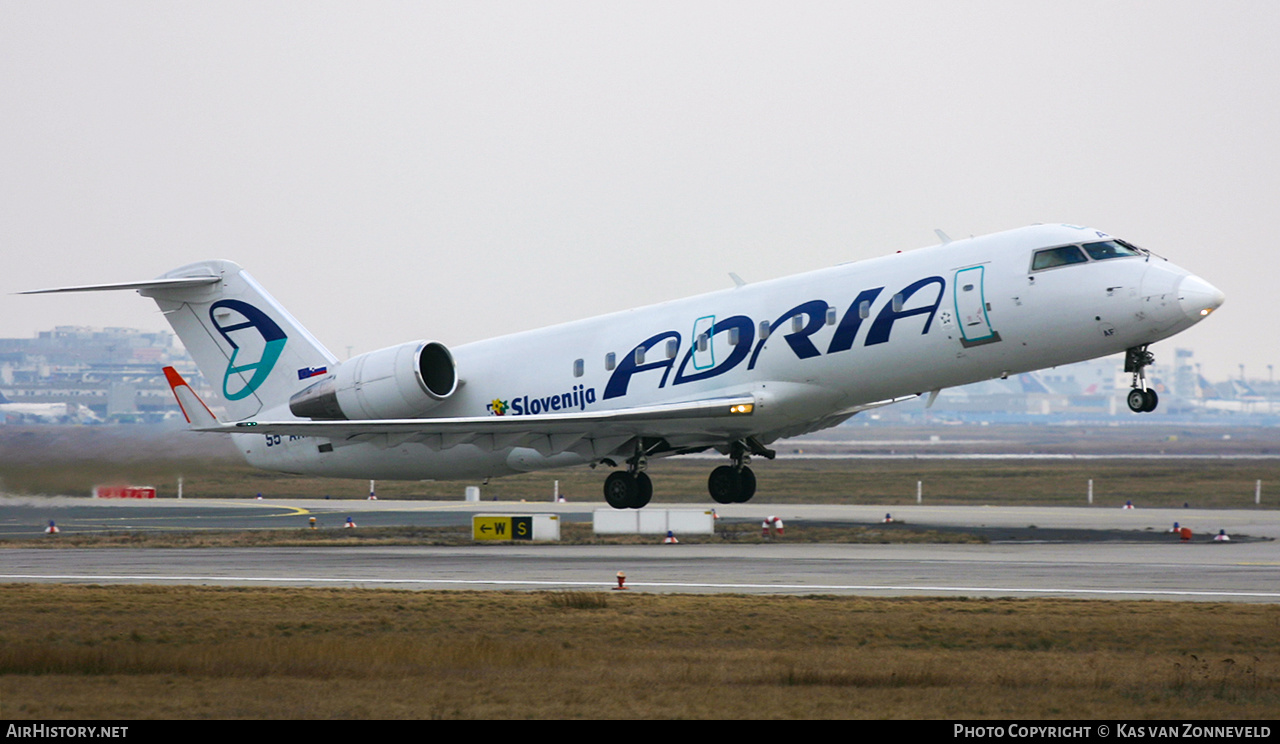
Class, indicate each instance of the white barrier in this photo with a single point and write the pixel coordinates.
(653, 522)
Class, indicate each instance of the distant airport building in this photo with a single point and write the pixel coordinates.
(1096, 390)
(76, 374)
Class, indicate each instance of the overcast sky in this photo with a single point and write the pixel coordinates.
(393, 171)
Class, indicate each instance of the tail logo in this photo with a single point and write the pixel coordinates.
(251, 331)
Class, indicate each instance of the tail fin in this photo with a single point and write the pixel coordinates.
(194, 409)
(251, 349)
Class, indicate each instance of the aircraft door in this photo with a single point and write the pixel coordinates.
(972, 308)
(704, 338)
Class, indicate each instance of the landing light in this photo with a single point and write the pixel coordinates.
(741, 408)
(1206, 311)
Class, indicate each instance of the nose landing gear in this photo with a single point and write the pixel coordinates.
(1141, 399)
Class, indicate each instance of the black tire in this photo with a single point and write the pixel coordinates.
(724, 485)
(1153, 400)
(644, 491)
(1137, 401)
(746, 485)
(620, 490)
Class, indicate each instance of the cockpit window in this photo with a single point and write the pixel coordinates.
(1108, 249)
(1051, 257)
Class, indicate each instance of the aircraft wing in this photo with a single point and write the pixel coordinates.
(851, 410)
(628, 421)
(689, 426)
(692, 423)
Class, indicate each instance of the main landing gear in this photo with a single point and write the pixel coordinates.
(728, 484)
(1141, 399)
(631, 489)
(734, 483)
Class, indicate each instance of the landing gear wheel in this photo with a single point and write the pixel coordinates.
(724, 485)
(1142, 401)
(644, 491)
(730, 485)
(628, 490)
(621, 489)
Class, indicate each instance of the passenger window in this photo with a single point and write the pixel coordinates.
(1049, 258)
(673, 347)
(764, 329)
(578, 368)
(1108, 249)
(610, 361)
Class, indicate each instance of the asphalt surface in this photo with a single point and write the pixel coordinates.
(1033, 551)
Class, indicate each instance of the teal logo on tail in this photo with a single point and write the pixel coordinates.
(252, 320)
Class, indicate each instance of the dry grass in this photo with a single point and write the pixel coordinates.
(571, 533)
(1149, 483)
(174, 652)
(71, 460)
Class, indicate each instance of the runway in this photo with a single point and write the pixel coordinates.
(1207, 572)
(1142, 563)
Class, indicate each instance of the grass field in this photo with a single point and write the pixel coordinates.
(71, 460)
(1149, 483)
(169, 652)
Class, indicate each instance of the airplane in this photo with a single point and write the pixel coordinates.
(733, 370)
(45, 412)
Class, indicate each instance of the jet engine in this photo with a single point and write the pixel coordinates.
(402, 381)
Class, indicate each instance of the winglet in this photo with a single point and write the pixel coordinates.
(194, 409)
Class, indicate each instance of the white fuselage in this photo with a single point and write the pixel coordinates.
(838, 338)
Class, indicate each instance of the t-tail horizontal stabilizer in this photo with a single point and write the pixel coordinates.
(198, 414)
(187, 282)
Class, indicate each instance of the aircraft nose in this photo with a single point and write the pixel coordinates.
(1198, 298)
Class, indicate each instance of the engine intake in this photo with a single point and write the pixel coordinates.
(404, 381)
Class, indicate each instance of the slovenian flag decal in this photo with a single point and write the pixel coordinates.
(307, 372)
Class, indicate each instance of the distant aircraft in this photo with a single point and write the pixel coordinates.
(1032, 384)
(44, 412)
(733, 370)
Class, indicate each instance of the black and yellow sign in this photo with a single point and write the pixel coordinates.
(501, 528)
